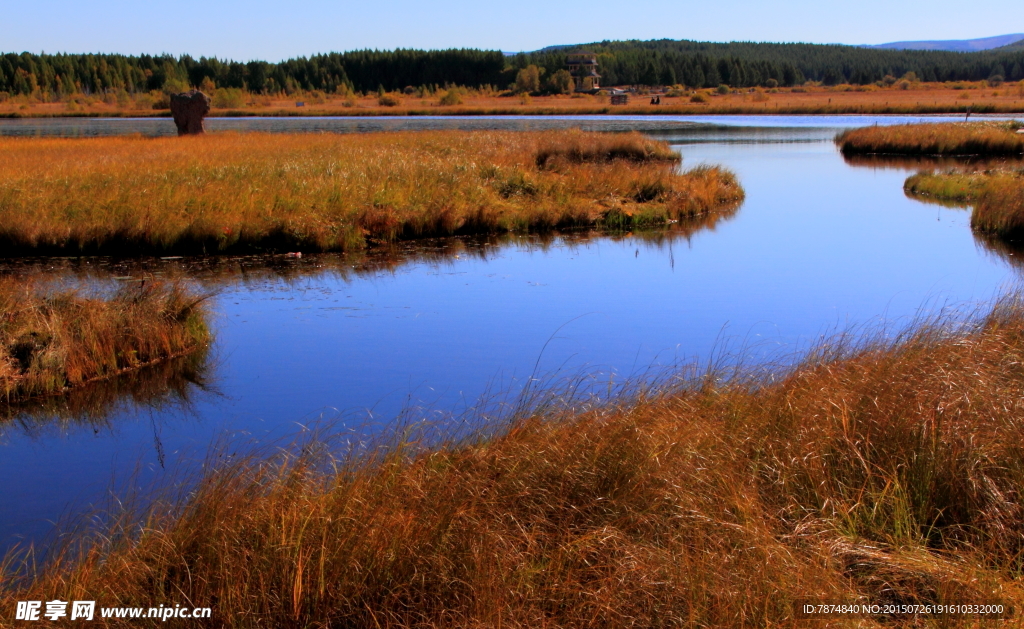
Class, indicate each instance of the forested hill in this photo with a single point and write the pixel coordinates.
(662, 62)
(743, 64)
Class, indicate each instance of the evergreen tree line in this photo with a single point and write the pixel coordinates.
(663, 62)
(363, 70)
(746, 64)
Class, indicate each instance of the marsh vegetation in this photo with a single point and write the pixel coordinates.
(919, 98)
(979, 138)
(257, 192)
(884, 471)
(981, 167)
(55, 341)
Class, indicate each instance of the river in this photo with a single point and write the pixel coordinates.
(430, 329)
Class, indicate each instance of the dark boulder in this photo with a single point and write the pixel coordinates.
(189, 109)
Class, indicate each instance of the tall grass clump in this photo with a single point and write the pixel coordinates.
(999, 210)
(253, 192)
(54, 341)
(596, 148)
(980, 138)
(874, 472)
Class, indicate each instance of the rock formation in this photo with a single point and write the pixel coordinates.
(189, 109)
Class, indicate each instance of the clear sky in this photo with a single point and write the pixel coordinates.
(259, 29)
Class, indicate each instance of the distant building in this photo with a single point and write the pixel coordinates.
(583, 68)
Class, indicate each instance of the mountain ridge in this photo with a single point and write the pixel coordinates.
(1011, 41)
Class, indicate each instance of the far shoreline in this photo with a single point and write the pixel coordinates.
(917, 99)
(526, 113)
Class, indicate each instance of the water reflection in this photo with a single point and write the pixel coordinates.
(711, 128)
(969, 163)
(254, 270)
(170, 384)
(175, 382)
(1011, 253)
(933, 200)
(155, 127)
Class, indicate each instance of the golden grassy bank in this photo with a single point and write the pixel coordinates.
(52, 342)
(979, 138)
(912, 97)
(997, 196)
(230, 192)
(959, 187)
(891, 473)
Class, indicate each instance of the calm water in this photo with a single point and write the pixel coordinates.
(818, 245)
(722, 127)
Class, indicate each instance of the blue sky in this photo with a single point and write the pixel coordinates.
(277, 30)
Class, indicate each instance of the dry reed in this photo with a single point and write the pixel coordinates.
(595, 148)
(52, 342)
(999, 210)
(981, 138)
(230, 192)
(885, 473)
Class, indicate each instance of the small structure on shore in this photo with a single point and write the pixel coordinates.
(583, 68)
(188, 110)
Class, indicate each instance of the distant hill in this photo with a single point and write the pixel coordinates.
(957, 45)
(1019, 45)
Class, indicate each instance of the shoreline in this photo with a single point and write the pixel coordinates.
(542, 112)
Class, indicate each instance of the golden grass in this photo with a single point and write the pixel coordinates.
(981, 138)
(55, 341)
(920, 98)
(999, 210)
(594, 148)
(953, 186)
(888, 473)
(231, 192)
